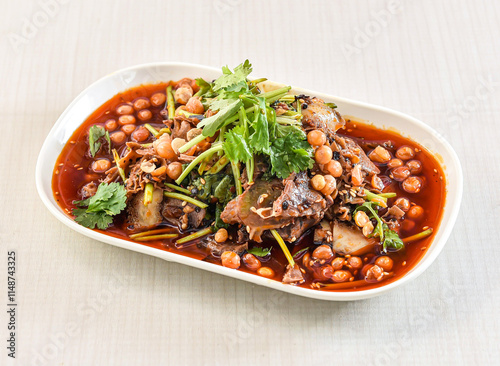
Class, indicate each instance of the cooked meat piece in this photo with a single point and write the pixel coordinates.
(184, 217)
(88, 190)
(348, 239)
(317, 115)
(180, 126)
(293, 275)
(298, 199)
(394, 212)
(291, 209)
(323, 233)
(141, 216)
(351, 153)
(216, 249)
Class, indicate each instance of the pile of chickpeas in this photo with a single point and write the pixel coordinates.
(323, 155)
(403, 168)
(325, 265)
(128, 115)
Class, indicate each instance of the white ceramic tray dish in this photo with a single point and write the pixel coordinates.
(102, 90)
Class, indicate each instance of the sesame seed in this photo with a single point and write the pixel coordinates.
(425, 228)
(61, 164)
(80, 168)
(404, 263)
(57, 171)
(72, 142)
(423, 248)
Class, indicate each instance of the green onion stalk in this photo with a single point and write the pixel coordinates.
(186, 198)
(148, 193)
(196, 161)
(170, 102)
(195, 235)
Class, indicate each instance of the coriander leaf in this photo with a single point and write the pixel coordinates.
(223, 190)
(212, 124)
(289, 154)
(391, 240)
(109, 200)
(205, 87)
(236, 146)
(92, 219)
(259, 138)
(229, 78)
(218, 224)
(95, 133)
(259, 252)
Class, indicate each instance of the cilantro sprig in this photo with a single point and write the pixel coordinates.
(388, 238)
(109, 200)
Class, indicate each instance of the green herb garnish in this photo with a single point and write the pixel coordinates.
(388, 238)
(109, 200)
(95, 134)
(259, 252)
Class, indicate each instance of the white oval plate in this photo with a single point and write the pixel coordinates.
(104, 89)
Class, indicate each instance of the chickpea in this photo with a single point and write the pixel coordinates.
(377, 183)
(394, 163)
(192, 133)
(101, 165)
(318, 182)
(128, 129)
(403, 203)
(415, 212)
(118, 138)
(251, 262)
(111, 125)
(221, 235)
(334, 168)
(177, 143)
(123, 109)
(330, 185)
(323, 252)
(412, 184)
(141, 103)
(266, 272)
(316, 138)
(405, 153)
(323, 154)
(385, 263)
(361, 218)
(230, 260)
(355, 262)
(306, 261)
(379, 155)
(368, 229)
(174, 170)
(164, 149)
(356, 176)
(341, 276)
(183, 93)
(126, 119)
(325, 273)
(408, 225)
(415, 166)
(338, 263)
(158, 99)
(144, 115)
(194, 106)
(400, 173)
(374, 274)
(140, 134)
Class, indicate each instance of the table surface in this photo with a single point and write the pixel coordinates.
(82, 302)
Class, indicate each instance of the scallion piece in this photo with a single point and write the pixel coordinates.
(418, 236)
(197, 160)
(151, 129)
(195, 235)
(183, 197)
(170, 103)
(148, 193)
(120, 169)
(177, 188)
(157, 237)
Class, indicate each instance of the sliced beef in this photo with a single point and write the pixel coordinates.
(88, 190)
(317, 115)
(141, 216)
(290, 206)
(184, 217)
